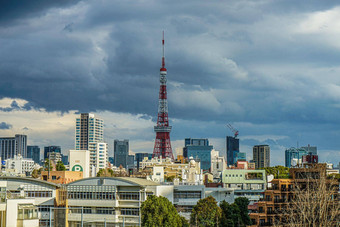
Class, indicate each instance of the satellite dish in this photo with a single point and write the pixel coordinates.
(270, 178)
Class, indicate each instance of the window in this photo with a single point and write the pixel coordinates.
(54, 177)
(34, 194)
(129, 195)
(129, 211)
(105, 210)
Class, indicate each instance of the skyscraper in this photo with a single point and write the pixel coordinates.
(89, 129)
(121, 153)
(51, 149)
(33, 152)
(140, 157)
(90, 136)
(261, 156)
(293, 156)
(162, 143)
(198, 149)
(233, 147)
(11, 146)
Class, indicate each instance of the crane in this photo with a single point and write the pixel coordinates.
(233, 130)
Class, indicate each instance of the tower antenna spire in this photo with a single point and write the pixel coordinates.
(163, 56)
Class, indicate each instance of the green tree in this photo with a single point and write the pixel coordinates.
(279, 172)
(48, 163)
(105, 173)
(60, 166)
(242, 203)
(159, 211)
(206, 213)
(236, 214)
(230, 215)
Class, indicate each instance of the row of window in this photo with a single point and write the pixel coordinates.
(187, 195)
(94, 210)
(33, 194)
(92, 195)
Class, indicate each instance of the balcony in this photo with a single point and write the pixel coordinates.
(280, 201)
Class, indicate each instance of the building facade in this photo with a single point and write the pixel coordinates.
(232, 148)
(246, 183)
(293, 156)
(121, 153)
(33, 152)
(89, 129)
(98, 157)
(261, 156)
(200, 150)
(11, 146)
(20, 164)
(51, 149)
(140, 157)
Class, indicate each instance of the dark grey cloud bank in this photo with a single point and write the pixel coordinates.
(231, 61)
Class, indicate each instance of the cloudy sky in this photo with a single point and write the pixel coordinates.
(269, 68)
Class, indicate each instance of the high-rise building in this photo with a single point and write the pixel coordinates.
(90, 136)
(51, 149)
(89, 129)
(198, 149)
(162, 143)
(65, 160)
(33, 152)
(121, 153)
(261, 156)
(11, 146)
(98, 156)
(140, 157)
(293, 156)
(233, 147)
(311, 149)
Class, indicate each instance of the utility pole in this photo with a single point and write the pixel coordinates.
(82, 221)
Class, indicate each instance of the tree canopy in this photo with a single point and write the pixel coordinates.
(279, 172)
(206, 213)
(60, 166)
(235, 214)
(159, 211)
(105, 173)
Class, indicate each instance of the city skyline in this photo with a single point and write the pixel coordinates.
(227, 63)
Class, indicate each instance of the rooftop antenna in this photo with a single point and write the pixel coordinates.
(163, 57)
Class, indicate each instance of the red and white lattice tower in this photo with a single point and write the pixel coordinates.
(162, 143)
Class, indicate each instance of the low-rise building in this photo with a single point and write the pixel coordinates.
(245, 183)
(61, 177)
(20, 164)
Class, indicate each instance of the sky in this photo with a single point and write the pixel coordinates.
(269, 68)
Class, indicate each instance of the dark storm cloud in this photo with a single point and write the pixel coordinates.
(106, 56)
(4, 125)
(12, 10)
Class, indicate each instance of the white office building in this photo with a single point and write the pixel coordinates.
(20, 164)
(98, 157)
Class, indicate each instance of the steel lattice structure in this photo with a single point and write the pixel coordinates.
(162, 143)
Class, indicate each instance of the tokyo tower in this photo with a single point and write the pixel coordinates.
(162, 143)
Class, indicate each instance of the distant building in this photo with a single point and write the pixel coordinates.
(111, 160)
(121, 153)
(33, 152)
(61, 177)
(246, 183)
(140, 157)
(240, 156)
(233, 147)
(80, 161)
(198, 149)
(89, 129)
(293, 156)
(51, 149)
(261, 156)
(11, 146)
(20, 164)
(218, 164)
(64, 159)
(311, 149)
(90, 136)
